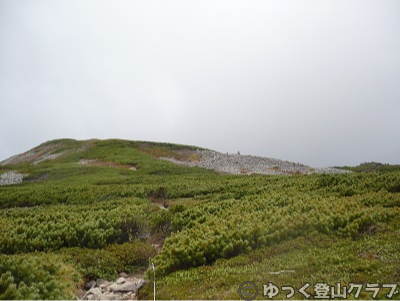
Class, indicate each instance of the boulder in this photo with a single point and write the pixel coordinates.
(124, 287)
(122, 274)
(120, 280)
(89, 285)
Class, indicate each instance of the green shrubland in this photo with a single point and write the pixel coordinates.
(69, 222)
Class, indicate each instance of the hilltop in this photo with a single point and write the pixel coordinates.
(178, 154)
(77, 214)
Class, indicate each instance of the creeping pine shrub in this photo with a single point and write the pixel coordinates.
(93, 263)
(35, 276)
(107, 263)
(132, 255)
(161, 222)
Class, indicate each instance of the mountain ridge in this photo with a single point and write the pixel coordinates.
(186, 155)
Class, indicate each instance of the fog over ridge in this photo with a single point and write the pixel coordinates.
(308, 82)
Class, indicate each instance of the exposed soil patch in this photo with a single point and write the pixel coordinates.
(35, 155)
(170, 151)
(46, 151)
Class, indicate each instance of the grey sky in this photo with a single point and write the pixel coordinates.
(315, 82)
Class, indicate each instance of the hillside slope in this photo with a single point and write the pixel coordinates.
(178, 154)
(91, 209)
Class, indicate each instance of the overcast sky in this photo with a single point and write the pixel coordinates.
(315, 82)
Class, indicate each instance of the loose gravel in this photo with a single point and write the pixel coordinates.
(225, 163)
(11, 177)
(244, 164)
